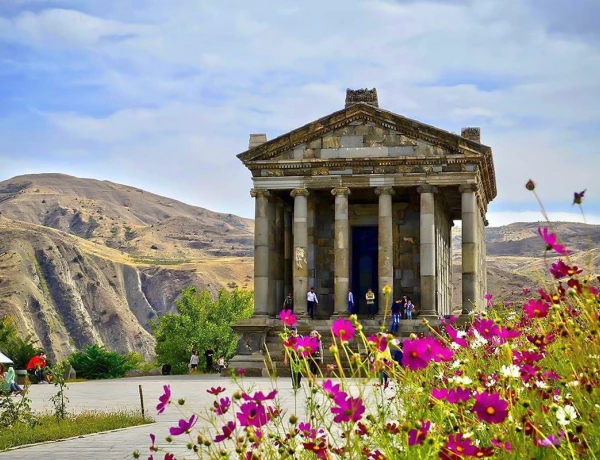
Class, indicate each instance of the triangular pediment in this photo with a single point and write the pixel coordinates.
(362, 131)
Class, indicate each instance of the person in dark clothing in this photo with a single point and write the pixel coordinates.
(371, 309)
(403, 307)
(288, 302)
(396, 306)
(293, 360)
(208, 354)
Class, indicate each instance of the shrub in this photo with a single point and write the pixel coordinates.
(19, 349)
(96, 362)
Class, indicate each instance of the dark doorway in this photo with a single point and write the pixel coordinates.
(364, 265)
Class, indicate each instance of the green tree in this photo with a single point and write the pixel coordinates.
(19, 349)
(200, 321)
(96, 362)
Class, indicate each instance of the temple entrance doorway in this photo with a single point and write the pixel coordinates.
(364, 266)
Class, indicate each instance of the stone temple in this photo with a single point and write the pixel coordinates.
(365, 198)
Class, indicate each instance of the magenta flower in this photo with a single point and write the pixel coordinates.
(560, 270)
(307, 430)
(508, 303)
(164, 399)
(241, 372)
(333, 390)
(551, 243)
(223, 406)
(153, 447)
(306, 346)
(252, 414)
(288, 318)
(490, 407)
(551, 440)
(452, 396)
(417, 436)
(526, 291)
(184, 426)
(414, 354)
(348, 410)
(453, 333)
(506, 333)
(215, 391)
(490, 302)
(458, 445)
(506, 446)
(487, 328)
(343, 329)
(536, 308)
(578, 197)
(259, 396)
(227, 432)
(379, 341)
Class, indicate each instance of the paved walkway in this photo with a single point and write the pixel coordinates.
(123, 394)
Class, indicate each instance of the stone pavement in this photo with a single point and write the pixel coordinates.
(123, 394)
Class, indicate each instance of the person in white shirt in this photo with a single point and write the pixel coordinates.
(194, 362)
(311, 300)
(350, 302)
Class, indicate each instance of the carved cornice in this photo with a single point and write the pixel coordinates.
(299, 192)
(259, 193)
(385, 191)
(341, 191)
(427, 188)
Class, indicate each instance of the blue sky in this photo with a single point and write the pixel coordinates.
(163, 94)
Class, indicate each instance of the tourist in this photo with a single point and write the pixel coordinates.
(409, 309)
(36, 367)
(403, 307)
(311, 301)
(399, 354)
(208, 354)
(9, 380)
(315, 358)
(396, 306)
(288, 302)
(221, 364)
(350, 302)
(292, 359)
(370, 297)
(194, 362)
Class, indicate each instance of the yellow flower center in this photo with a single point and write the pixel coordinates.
(490, 410)
(460, 448)
(414, 354)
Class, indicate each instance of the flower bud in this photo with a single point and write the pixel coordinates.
(293, 419)
(530, 185)
(181, 401)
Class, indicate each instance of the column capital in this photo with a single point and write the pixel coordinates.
(385, 191)
(341, 191)
(299, 192)
(259, 193)
(486, 222)
(426, 188)
(468, 188)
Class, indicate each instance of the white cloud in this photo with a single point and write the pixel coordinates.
(497, 219)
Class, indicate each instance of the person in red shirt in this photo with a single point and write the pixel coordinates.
(37, 366)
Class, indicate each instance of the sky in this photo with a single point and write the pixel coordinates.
(163, 95)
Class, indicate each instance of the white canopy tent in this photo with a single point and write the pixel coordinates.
(5, 359)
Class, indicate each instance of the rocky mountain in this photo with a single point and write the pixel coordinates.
(86, 261)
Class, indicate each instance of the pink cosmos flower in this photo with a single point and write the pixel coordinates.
(333, 390)
(164, 399)
(490, 407)
(560, 270)
(153, 447)
(343, 329)
(458, 445)
(488, 297)
(379, 341)
(241, 372)
(348, 410)
(306, 346)
(259, 397)
(452, 396)
(319, 449)
(453, 333)
(487, 328)
(307, 430)
(252, 414)
(526, 291)
(536, 308)
(508, 303)
(506, 446)
(215, 391)
(223, 406)
(227, 432)
(551, 440)
(550, 240)
(417, 436)
(506, 333)
(288, 317)
(413, 355)
(184, 426)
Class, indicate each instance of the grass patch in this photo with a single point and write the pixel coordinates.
(49, 429)
(149, 261)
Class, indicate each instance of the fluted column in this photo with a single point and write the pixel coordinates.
(288, 245)
(261, 251)
(427, 254)
(279, 250)
(385, 245)
(300, 259)
(469, 214)
(272, 299)
(341, 249)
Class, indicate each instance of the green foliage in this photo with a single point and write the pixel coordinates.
(46, 428)
(200, 321)
(58, 373)
(19, 349)
(15, 411)
(96, 362)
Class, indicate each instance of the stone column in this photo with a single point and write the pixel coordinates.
(288, 246)
(261, 251)
(470, 214)
(272, 300)
(385, 246)
(300, 256)
(341, 249)
(427, 250)
(279, 249)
